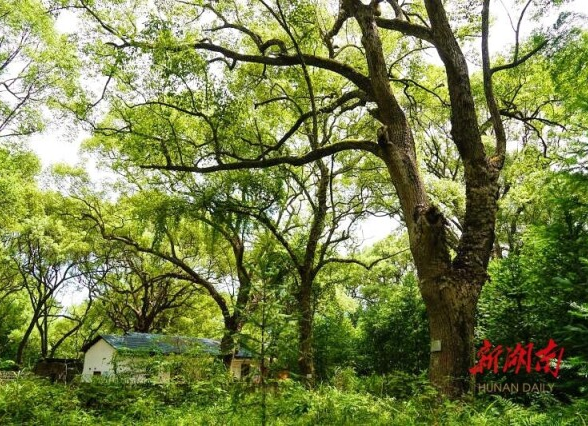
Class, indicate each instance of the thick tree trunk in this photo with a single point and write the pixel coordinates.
(227, 349)
(144, 322)
(450, 287)
(451, 305)
(227, 346)
(305, 341)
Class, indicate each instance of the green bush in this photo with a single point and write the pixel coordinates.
(398, 384)
(30, 400)
(7, 365)
(348, 401)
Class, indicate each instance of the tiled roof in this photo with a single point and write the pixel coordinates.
(162, 344)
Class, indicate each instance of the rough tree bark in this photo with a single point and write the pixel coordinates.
(307, 272)
(305, 333)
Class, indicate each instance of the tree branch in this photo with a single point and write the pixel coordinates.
(314, 155)
(280, 60)
(521, 60)
(419, 31)
(488, 90)
(366, 266)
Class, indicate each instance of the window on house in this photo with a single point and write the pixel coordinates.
(97, 373)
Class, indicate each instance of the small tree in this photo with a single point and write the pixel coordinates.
(49, 261)
(138, 294)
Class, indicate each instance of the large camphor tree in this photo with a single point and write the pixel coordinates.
(246, 85)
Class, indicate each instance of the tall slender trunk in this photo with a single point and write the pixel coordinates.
(228, 344)
(23, 342)
(305, 333)
(308, 273)
(38, 307)
(43, 328)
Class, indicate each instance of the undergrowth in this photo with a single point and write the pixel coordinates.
(34, 401)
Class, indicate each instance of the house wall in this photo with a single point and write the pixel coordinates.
(133, 370)
(98, 358)
(236, 367)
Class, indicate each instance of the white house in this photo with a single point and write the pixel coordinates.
(109, 354)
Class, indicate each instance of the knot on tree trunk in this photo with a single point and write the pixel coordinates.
(433, 216)
(432, 257)
(383, 137)
(495, 164)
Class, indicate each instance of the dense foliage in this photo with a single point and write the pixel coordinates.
(246, 150)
